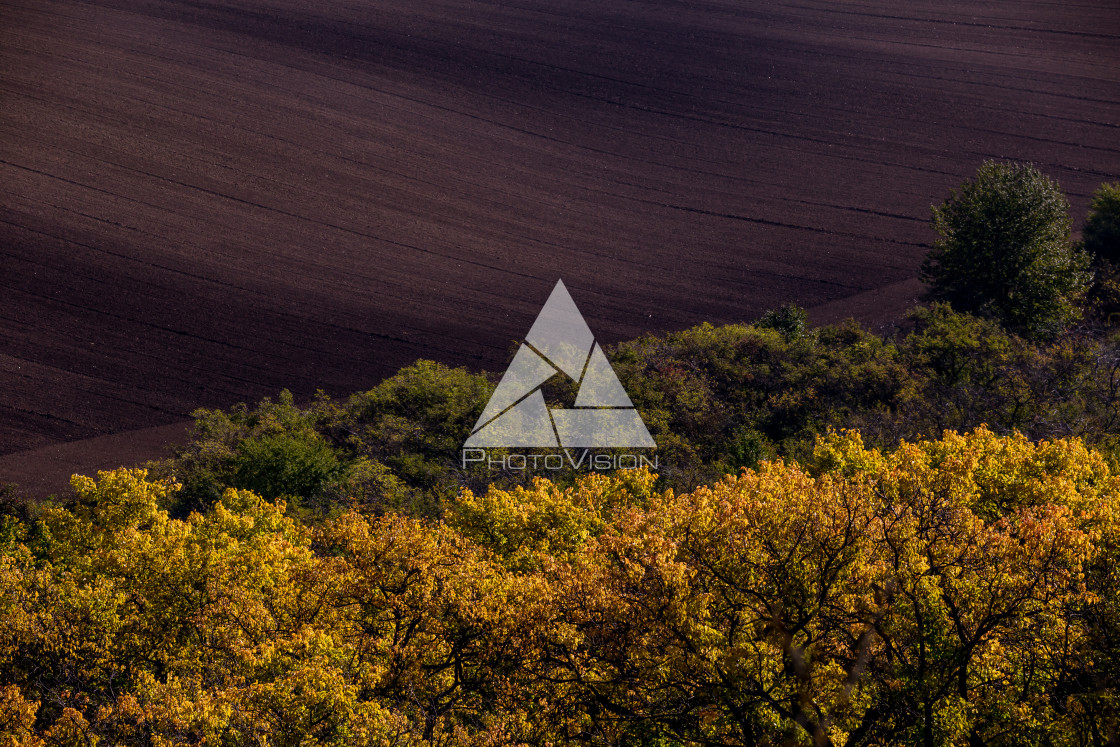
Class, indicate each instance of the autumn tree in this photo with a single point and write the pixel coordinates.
(959, 590)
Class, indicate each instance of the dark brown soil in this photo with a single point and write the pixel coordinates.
(46, 471)
(207, 201)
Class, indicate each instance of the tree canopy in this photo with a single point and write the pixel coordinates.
(954, 591)
(1005, 250)
(1101, 234)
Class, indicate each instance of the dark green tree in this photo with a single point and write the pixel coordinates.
(285, 465)
(789, 320)
(1101, 241)
(1102, 228)
(1005, 251)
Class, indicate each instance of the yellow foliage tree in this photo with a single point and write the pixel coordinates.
(958, 591)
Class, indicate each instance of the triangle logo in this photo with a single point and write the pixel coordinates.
(560, 343)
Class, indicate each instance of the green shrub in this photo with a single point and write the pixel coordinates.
(788, 320)
(715, 399)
